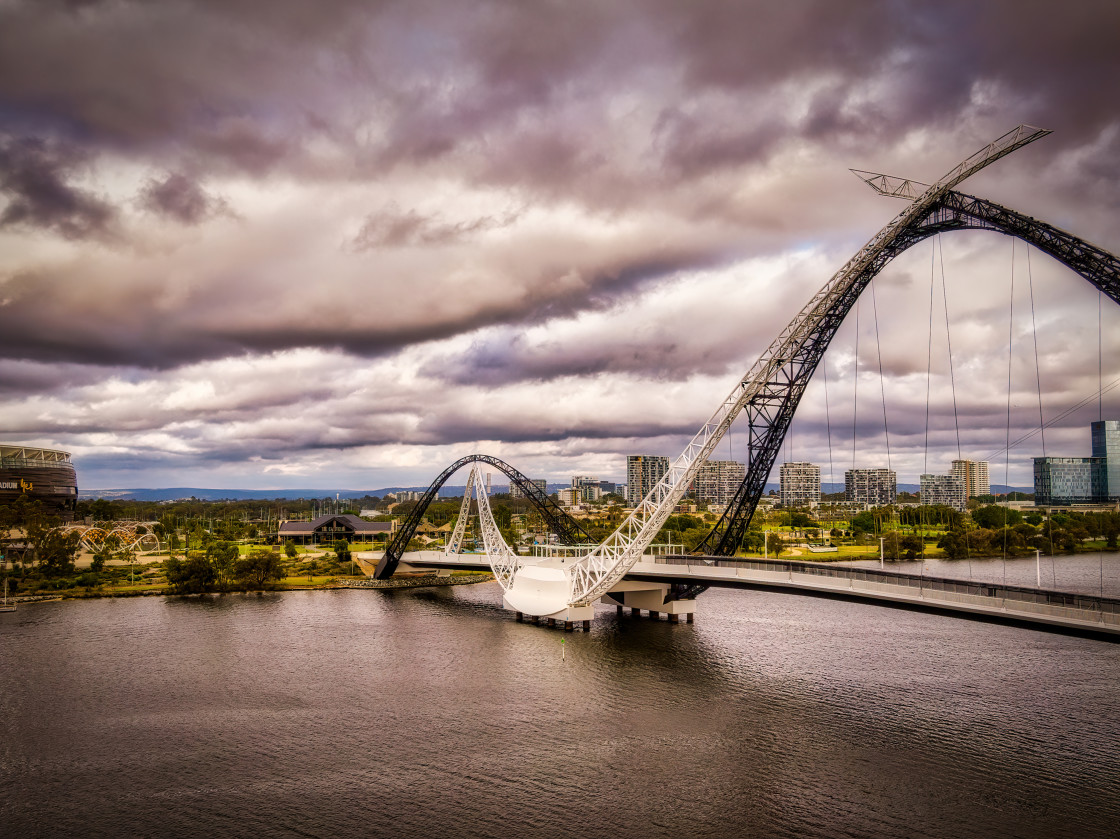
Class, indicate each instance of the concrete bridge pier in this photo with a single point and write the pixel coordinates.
(636, 595)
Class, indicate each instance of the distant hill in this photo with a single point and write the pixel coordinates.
(447, 491)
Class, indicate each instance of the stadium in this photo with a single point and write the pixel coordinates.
(43, 474)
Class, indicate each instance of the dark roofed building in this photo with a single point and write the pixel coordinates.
(332, 528)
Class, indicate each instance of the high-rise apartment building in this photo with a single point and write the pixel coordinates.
(515, 490)
(944, 489)
(587, 487)
(874, 487)
(973, 475)
(717, 481)
(643, 471)
(800, 484)
(568, 496)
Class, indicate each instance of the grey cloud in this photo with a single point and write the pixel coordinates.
(391, 227)
(34, 178)
(181, 198)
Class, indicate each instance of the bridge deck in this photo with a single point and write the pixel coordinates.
(1041, 608)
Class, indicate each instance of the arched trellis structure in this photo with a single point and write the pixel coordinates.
(567, 529)
(119, 536)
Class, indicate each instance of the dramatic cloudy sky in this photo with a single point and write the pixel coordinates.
(339, 244)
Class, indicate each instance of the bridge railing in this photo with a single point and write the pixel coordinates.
(920, 582)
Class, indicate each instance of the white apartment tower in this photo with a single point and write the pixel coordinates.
(643, 471)
(973, 475)
(873, 487)
(800, 484)
(944, 489)
(717, 481)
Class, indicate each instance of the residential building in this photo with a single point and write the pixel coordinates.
(568, 496)
(944, 489)
(717, 481)
(515, 490)
(800, 484)
(588, 487)
(874, 487)
(643, 471)
(973, 475)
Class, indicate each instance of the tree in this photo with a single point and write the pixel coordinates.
(191, 575)
(911, 546)
(993, 517)
(54, 551)
(290, 549)
(259, 567)
(222, 556)
(342, 550)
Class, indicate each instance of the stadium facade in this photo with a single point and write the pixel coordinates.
(43, 474)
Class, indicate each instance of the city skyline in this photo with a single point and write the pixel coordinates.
(397, 236)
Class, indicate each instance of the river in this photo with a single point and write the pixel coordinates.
(431, 712)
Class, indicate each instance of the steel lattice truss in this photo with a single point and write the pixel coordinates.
(567, 529)
(782, 370)
(771, 390)
(771, 413)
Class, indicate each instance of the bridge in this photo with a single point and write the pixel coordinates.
(645, 586)
(564, 587)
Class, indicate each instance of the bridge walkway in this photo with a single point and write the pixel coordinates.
(1038, 608)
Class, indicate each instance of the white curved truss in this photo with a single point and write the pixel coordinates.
(596, 573)
(455, 543)
(123, 536)
(503, 561)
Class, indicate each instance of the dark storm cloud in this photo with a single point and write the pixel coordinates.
(181, 198)
(35, 179)
(636, 141)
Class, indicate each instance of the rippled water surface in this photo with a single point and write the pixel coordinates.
(433, 713)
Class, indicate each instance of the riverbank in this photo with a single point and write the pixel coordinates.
(288, 584)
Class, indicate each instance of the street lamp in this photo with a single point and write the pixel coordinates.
(882, 539)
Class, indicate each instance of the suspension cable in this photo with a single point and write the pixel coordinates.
(949, 345)
(1007, 438)
(828, 425)
(855, 388)
(882, 385)
(953, 386)
(929, 357)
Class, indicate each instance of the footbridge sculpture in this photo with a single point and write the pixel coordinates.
(566, 589)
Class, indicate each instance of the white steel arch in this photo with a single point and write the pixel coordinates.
(597, 572)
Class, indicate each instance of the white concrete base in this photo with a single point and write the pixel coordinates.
(540, 591)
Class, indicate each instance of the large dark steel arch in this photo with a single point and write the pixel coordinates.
(567, 529)
(771, 412)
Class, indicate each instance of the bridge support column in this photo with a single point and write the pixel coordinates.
(674, 618)
(688, 617)
(587, 624)
(635, 612)
(567, 626)
(654, 616)
(620, 610)
(519, 617)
